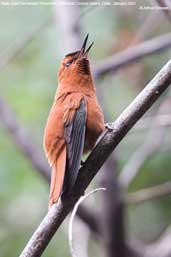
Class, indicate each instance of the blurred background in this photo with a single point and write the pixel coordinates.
(34, 37)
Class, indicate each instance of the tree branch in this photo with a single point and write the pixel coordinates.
(112, 212)
(134, 53)
(22, 140)
(166, 4)
(95, 160)
(149, 193)
(73, 214)
(18, 133)
(67, 17)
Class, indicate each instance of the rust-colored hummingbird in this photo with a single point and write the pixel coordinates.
(75, 121)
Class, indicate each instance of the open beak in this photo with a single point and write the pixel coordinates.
(83, 51)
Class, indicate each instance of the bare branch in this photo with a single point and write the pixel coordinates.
(20, 135)
(132, 54)
(95, 160)
(149, 193)
(67, 17)
(70, 232)
(112, 212)
(25, 143)
(22, 140)
(111, 64)
(166, 4)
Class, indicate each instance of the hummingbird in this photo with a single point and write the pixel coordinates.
(74, 123)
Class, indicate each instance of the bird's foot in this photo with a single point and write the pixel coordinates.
(82, 163)
(109, 126)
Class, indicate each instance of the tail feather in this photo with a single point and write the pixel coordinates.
(57, 177)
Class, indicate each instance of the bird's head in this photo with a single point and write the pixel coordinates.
(76, 64)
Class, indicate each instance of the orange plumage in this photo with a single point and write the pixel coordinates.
(74, 123)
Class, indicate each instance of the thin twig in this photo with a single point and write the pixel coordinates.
(149, 193)
(71, 222)
(68, 18)
(95, 160)
(166, 8)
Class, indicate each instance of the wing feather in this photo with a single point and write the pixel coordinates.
(75, 138)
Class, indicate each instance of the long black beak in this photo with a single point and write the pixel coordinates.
(84, 44)
(83, 51)
(88, 49)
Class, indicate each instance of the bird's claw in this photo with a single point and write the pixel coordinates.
(109, 126)
(82, 163)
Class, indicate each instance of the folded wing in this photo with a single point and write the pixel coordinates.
(74, 134)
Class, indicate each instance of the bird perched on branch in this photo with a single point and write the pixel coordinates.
(75, 121)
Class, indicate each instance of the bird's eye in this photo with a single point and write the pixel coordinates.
(68, 63)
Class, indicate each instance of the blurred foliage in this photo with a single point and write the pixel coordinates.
(28, 84)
